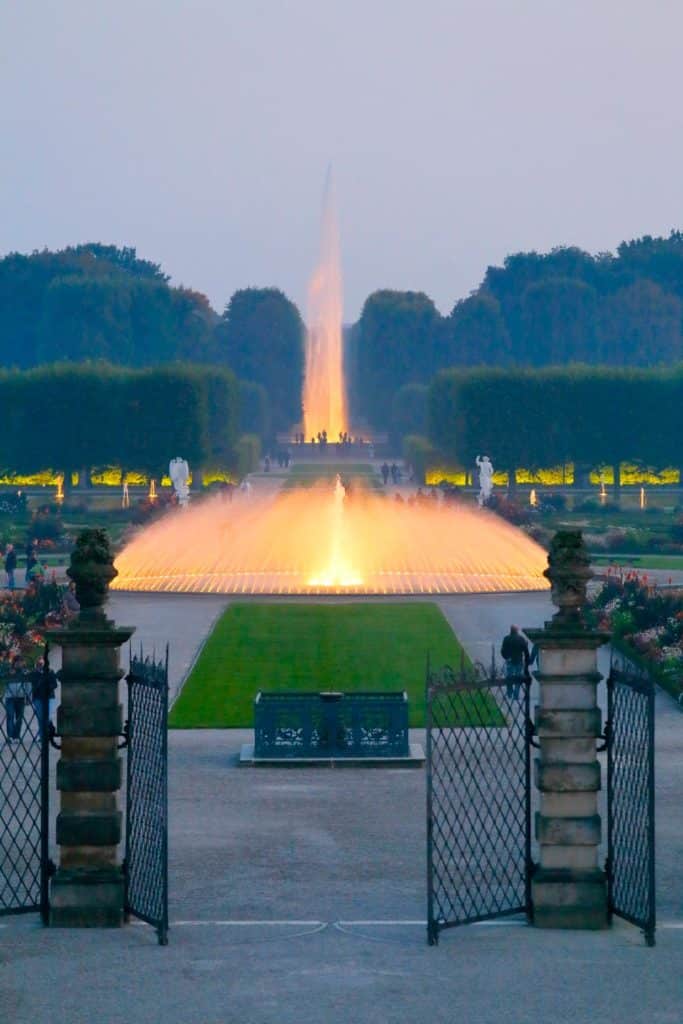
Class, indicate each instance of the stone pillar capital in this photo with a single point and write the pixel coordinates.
(568, 572)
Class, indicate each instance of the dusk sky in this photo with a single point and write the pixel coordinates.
(200, 132)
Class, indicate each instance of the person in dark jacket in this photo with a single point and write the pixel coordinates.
(515, 652)
(10, 565)
(43, 689)
(17, 692)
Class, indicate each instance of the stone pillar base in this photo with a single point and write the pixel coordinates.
(569, 898)
(86, 898)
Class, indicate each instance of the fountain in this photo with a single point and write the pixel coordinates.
(324, 397)
(329, 540)
(337, 572)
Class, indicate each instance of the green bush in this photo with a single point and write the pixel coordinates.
(419, 453)
(248, 453)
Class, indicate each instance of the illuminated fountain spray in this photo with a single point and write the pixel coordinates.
(324, 397)
(338, 572)
(316, 540)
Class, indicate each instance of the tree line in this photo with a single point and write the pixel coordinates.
(541, 418)
(75, 417)
(537, 309)
(562, 307)
(97, 302)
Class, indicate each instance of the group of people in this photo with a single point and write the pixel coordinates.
(518, 660)
(392, 471)
(420, 497)
(283, 458)
(24, 687)
(35, 569)
(344, 440)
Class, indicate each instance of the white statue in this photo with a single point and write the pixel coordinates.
(485, 467)
(179, 472)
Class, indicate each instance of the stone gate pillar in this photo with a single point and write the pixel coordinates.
(87, 889)
(569, 888)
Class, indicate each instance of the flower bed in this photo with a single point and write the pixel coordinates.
(24, 617)
(646, 625)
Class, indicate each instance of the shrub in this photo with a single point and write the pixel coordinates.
(511, 510)
(248, 452)
(13, 504)
(45, 525)
(418, 453)
(553, 502)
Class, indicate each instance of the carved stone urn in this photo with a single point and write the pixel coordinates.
(92, 570)
(569, 572)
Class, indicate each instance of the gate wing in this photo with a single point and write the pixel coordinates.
(478, 798)
(24, 794)
(146, 862)
(631, 799)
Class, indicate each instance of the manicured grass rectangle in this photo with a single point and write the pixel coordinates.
(308, 474)
(360, 646)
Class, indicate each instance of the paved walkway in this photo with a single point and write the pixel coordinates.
(298, 896)
(183, 621)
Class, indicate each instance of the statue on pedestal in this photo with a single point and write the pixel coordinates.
(179, 472)
(485, 467)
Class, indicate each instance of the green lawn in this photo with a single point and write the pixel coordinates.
(306, 474)
(644, 561)
(315, 647)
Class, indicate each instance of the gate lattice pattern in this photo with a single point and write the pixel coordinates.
(23, 799)
(478, 799)
(630, 799)
(146, 864)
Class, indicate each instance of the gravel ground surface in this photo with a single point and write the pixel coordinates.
(299, 895)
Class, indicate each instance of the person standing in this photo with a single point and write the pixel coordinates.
(515, 652)
(70, 605)
(43, 689)
(35, 570)
(16, 689)
(30, 557)
(10, 565)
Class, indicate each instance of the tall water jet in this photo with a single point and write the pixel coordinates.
(338, 571)
(324, 396)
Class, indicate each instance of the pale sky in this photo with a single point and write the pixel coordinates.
(199, 131)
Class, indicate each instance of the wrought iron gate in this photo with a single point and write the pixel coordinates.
(146, 859)
(24, 794)
(630, 736)
(478, 797)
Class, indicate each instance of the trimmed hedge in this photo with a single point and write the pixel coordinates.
(73, 416)
(526, 417)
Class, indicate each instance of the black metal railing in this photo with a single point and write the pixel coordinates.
(630, 739)
(478, 797)
(146, 859)
(339, 725)
(24, 793)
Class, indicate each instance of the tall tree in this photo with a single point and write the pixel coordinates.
(399, 342)
(477, 332)
(640, 325)
(97, 302)
(558, 322)
(261, 337)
